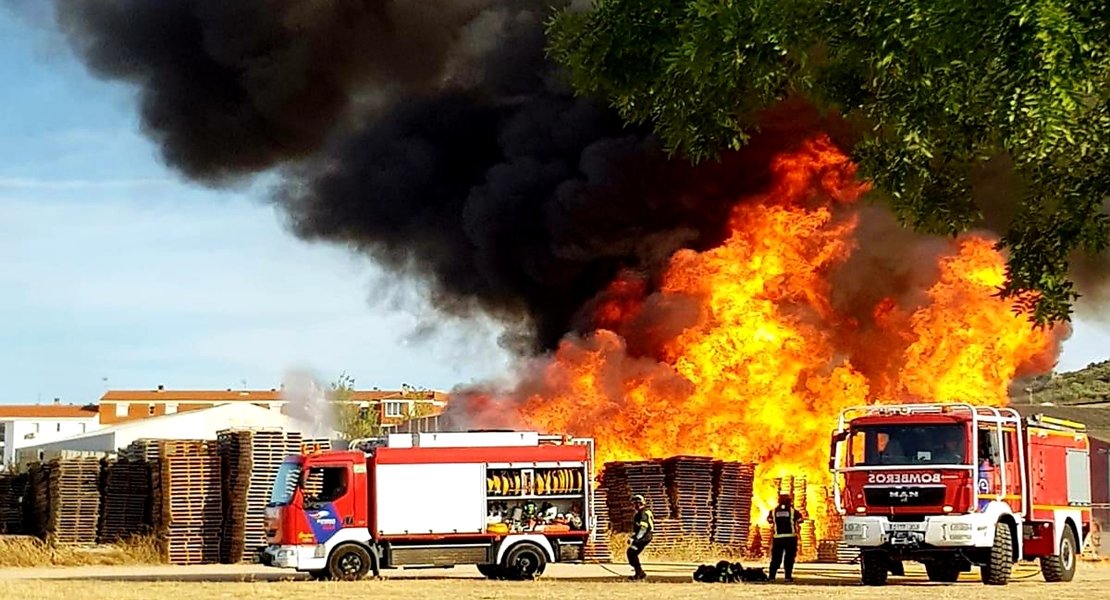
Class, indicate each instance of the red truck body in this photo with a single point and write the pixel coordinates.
(952, 485)
(508, 502)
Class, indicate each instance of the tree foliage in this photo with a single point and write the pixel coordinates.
(1084, 386)
(351, 420)
(936, 88)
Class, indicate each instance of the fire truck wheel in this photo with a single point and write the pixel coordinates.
(490, 571)
(1061, 566)
(943, 571)
(349, 562)
(874, 566)
(1001, 560)
(524, 561)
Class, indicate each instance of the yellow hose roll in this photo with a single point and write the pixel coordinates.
(539, 485)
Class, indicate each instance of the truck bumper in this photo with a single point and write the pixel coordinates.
(301, 558)
(940, 532)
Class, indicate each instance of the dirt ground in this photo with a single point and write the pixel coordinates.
(565, 582)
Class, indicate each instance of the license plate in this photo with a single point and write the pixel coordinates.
(904, 537)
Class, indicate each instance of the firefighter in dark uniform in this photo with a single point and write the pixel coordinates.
(784, 545)
(643, 525)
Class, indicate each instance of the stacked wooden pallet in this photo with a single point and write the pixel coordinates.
(597, 548)
(798, 489)
(125, 493)
(250, 460)
(72, 501)
(189, 515)
(732, 503)
(690, 491)
(623, 480)
(38, 504)
(13, 488)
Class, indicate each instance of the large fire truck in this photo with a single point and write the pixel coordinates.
(956, 485)
(508, 502)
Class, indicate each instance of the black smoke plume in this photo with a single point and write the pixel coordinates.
(435, 136)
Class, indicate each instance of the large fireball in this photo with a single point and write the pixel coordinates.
(741, 354)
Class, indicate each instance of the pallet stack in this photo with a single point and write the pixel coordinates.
(72, 501)
(597, 549)
(250, 460)
(832, 546)
(648, 479)
(690, 492)
(13, 488)
(798, 489)
(125, 493)
(623, 480)
(733, 486)
(189, 509)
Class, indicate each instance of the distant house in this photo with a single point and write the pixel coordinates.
(23, 425)
(393, 406)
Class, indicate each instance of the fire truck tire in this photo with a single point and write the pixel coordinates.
(350, 562)
(524, 561)
(943, 571)
(490, 571)
(874, 567)
(1061, 566)
(1000, 562)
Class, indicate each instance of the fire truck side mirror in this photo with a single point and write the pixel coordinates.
(837, 437)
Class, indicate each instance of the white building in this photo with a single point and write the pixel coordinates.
(200, 424)
(23, 425)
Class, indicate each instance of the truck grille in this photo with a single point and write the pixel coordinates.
(904, 495)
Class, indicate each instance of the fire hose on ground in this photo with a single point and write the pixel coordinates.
(823, 573)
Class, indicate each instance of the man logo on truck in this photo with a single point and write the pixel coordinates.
(902, 478)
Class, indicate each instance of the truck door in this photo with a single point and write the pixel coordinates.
(329, 499)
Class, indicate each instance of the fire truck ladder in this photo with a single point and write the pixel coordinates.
(979, 414)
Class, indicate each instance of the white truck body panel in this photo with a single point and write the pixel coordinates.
(430, 498)
(475, 439)
(399, 440)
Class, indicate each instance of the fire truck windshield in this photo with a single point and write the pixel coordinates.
(285, 484)
(908, 444)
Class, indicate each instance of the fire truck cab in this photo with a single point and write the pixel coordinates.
(508, 502)
(956, 485)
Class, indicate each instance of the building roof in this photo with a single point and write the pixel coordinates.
(273, 395)
(47, 411)
(245, 411)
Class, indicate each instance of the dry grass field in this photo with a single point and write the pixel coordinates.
(563, 582)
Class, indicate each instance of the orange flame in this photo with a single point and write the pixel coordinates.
(762, 368)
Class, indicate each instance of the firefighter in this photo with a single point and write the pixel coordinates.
(784, 520)
(643, 526)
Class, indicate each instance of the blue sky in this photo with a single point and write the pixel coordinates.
(114, 268)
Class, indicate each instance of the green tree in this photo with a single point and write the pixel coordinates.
(417, 409)
(351, 420)
(936, 88)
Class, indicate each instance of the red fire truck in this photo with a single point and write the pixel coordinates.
(955, 485)
(507, 501)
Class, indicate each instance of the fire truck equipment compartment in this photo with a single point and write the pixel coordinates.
(430, 499)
